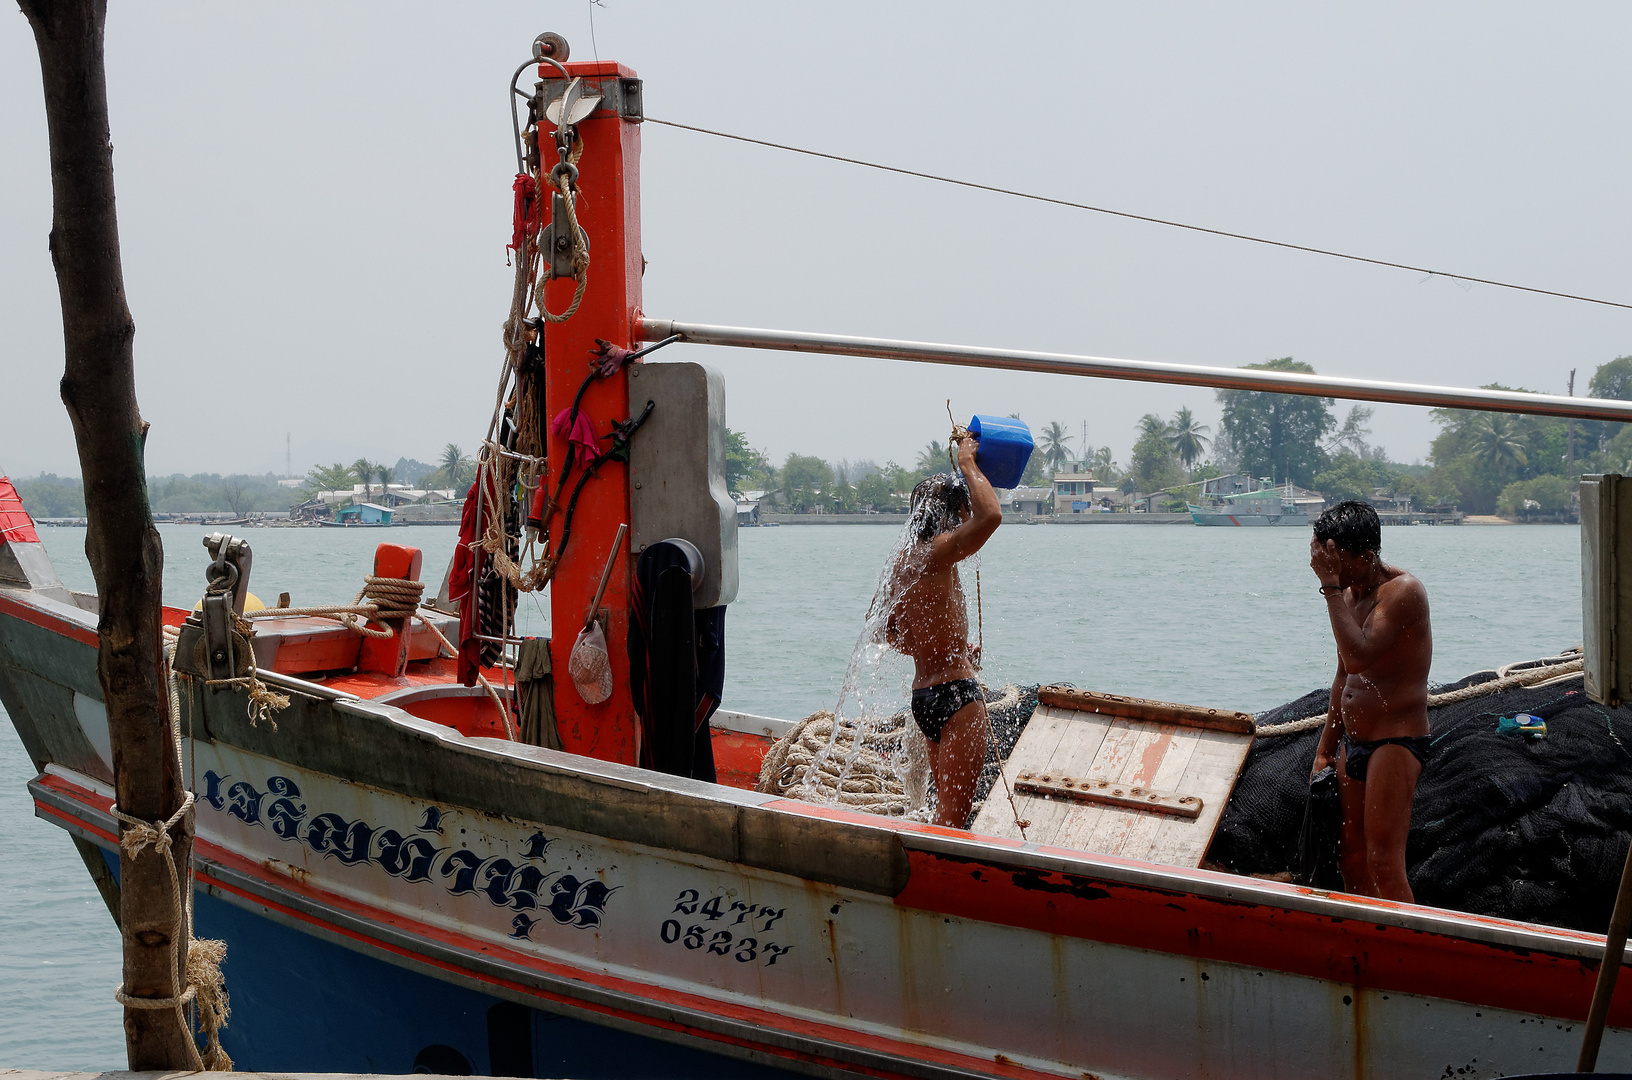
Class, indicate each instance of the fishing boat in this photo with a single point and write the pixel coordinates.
(406, 879)
(1269, 505)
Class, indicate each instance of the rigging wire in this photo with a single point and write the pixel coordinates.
(1142, 217)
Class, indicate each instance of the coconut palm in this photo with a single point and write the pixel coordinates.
(1151, 424)
(363, 469)
(452, 459)
(1055, 445)
(933, 459)
(1498, 442)
(1103, 464)
(1189, 437)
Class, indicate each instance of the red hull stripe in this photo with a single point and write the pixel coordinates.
(1347, 951)
(35, 617)
(821, 1033)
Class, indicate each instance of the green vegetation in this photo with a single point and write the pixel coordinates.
(1277, 435)
(49, 496)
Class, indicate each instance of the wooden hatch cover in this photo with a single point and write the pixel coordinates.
(1122, 776)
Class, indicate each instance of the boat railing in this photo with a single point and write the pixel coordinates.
(1104, 367)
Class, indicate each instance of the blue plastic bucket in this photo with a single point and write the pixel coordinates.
(1005, 447)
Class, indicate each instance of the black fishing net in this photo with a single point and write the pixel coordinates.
(1502, 825)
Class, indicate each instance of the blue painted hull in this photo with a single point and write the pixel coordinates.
(296, 1008)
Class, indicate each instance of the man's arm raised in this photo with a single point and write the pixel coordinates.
(986, 513)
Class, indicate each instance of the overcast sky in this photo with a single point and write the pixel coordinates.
(314, 201)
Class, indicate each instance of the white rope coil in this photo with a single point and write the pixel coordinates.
(812, 765)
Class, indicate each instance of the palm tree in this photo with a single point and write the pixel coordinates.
(452, 459)
(1103, 464)
(363, 470)
(1055, 445)
(932, 459)
(1151, 424)
(1189, 438)
(1498, 443)
(385, 473)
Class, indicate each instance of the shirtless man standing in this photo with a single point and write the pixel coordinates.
(929, 622)
(1377, 725)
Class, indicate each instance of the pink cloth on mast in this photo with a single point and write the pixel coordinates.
(579, 432)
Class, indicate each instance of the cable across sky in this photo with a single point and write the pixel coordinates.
(1143, 217)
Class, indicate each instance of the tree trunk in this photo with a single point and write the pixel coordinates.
(99, 389)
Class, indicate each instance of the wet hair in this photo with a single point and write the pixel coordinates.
(938, 505)
(1353, 524)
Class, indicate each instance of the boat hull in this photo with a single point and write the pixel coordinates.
(469, 872)
(1202, 515)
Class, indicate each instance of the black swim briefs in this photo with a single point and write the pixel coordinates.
(1356, 752)
(934, 706)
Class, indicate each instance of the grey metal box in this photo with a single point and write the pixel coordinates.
(1606, 586)
(677, 471)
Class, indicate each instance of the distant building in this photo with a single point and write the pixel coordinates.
(747, 512)
(1076, 492)
(363, 514)
(1028, 500)
(1073, 488)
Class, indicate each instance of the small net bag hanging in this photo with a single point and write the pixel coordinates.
(590, 667)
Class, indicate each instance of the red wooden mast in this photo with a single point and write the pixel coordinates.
(608, 210)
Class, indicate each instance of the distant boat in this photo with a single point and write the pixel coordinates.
(1266, 506)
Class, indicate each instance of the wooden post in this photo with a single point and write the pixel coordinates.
(609, 211)
(1603, 990)
(99, 389)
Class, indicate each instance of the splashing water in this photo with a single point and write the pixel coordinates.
(873, 745)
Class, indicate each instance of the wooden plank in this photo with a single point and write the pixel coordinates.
(1213, 770)
(1121, 756)
(1111, 793)
(1081, 738)
(1054, 739)
(1134, 761)
(1143, 833)
(1184, 750)
(1133, 834)
(1037, 744)
(1162, 712)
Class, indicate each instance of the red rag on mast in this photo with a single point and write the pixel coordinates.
(579, 430)
(462, 578)
(528, 217)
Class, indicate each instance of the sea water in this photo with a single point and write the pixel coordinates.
(1218, 617)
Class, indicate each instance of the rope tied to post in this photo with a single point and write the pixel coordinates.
(205, 984)
(564, 179)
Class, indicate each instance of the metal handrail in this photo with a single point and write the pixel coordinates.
(1103, 367)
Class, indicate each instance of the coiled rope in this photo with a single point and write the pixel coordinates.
(812, 764)
(1527, 673)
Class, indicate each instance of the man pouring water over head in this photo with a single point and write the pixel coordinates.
(928, 620)
(1376, 732)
